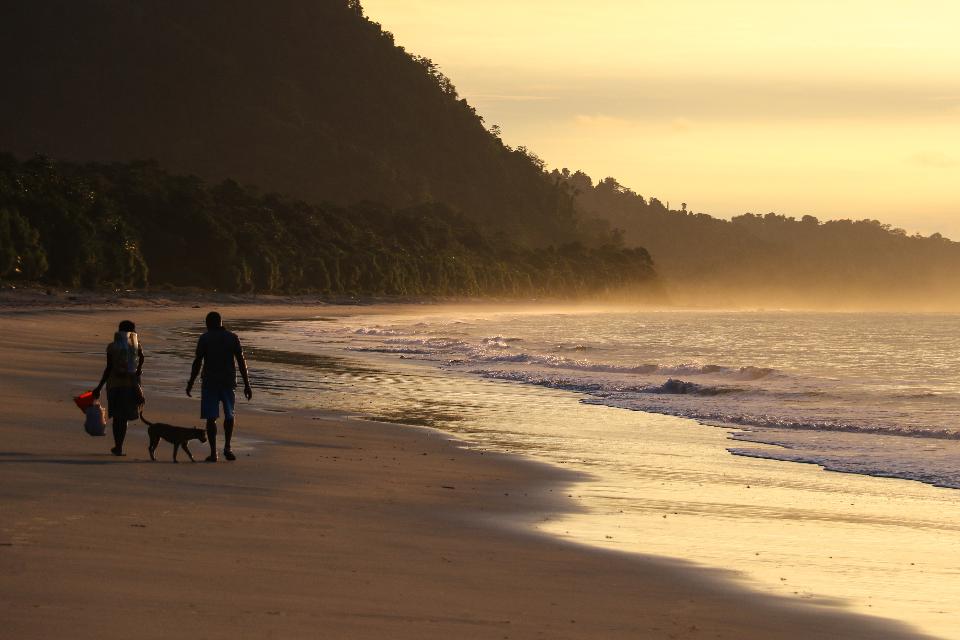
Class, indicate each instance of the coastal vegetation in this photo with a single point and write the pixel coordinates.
(772, 258)
(133, 225)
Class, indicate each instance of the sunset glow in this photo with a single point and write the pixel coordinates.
(834, 109)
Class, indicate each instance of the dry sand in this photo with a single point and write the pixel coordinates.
(324, 527)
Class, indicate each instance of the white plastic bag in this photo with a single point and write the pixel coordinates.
(96, 420)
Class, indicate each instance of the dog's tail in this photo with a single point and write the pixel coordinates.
(145, 421)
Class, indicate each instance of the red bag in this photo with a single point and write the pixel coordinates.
(85, 400)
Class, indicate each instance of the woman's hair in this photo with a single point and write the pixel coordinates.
(127, 325)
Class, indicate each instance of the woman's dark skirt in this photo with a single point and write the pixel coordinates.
(123, 403)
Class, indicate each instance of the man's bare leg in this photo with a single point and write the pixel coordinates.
(227, 436)
(212, 438)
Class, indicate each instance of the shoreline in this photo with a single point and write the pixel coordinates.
(33, 297)
(331, 525)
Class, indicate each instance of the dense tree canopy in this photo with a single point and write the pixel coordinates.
(133, 225)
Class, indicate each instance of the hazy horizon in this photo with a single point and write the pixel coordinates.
(836, 111)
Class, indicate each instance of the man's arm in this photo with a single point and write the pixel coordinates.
(140, 363)
(103, 378)
(242, 365)
(195, 369)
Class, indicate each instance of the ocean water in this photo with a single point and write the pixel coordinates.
(875, 394)
(687, 425)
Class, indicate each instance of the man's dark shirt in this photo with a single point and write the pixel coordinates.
(218, 348)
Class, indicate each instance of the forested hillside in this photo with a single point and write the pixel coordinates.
(774, 259)
(310, 99)
(134, 225)
(302, 97)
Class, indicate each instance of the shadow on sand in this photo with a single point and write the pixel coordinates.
(16, 457)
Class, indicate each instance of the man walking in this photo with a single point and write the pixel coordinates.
(216, 351)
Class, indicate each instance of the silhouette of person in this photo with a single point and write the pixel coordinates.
(216, 351)
(122, 378)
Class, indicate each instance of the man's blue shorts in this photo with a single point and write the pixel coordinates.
(210, 401)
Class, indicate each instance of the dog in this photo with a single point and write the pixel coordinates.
(179, 436)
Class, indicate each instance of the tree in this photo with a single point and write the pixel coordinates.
(21, 255)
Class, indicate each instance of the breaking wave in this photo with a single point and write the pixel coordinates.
(884, 468)
(783, 423)
(494, 349)
(376, 331)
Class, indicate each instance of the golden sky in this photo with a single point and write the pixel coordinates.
(847, 108)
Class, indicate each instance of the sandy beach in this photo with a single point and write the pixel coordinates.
(325, 526)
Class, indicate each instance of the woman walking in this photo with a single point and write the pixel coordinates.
(122, 377)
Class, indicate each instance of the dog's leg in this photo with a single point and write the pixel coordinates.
(176, 445)
(154, 441)
(187, 451)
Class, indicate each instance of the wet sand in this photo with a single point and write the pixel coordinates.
(324, 527)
